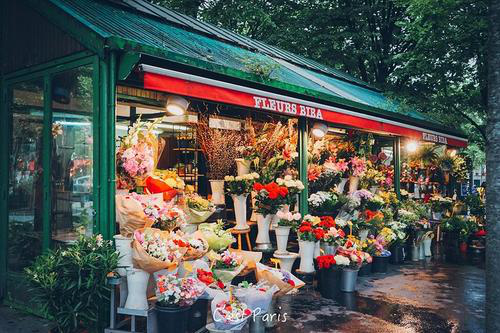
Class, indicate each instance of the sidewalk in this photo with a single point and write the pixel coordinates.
(13, 321)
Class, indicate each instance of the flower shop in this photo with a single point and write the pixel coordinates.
(202, 175)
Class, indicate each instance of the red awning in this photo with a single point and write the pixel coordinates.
(218, 91)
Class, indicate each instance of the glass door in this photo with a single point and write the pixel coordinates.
(25, 185)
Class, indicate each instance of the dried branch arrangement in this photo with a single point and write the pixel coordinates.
(219, 147)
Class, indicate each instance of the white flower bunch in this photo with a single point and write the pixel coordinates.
(318, 198)
(290, 183)
(342, 260)
(248, 177)
(289, 216)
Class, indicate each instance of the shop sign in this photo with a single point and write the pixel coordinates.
(290, 108)
(434, 138)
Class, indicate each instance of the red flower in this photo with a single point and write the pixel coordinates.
(290, 282)
(341, 233)
(481, 233)
(305, 228)
(325, 261)
(248, 312)
(258, 186)
(369, 214)
(327, 222)
(220, 284)
(319, 233)
(273, 195)
(283, 191)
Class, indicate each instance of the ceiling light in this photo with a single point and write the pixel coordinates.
(412, 146)
(177, 105)
(319, 130)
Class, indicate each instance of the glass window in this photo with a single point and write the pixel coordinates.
(25, 175)
(72, 152)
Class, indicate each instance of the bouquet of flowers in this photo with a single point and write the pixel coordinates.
(375, 203)
(240, 185)
(358, 166)
(282, 279)
(399, 230)
(440, 204)
(269, 197)
(326, 203)
(196, 245)
(288, 219)
(257, 296)
(307, 231)
(198, 209)
(229, 314)
(334, 236)
(294, 187)
(154, 250)
(165, 216)
(137, 154)
(362, 197)
(214, 233)
(227, 260)
(174, 291)
(130, 212)
(349, 257)
(227, 265)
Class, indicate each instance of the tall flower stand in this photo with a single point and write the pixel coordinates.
(286, 260)
(263, 241)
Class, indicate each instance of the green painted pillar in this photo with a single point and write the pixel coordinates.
(303, 135)
(103, 165)
(111, 122)
(397, 167)
(47, 164)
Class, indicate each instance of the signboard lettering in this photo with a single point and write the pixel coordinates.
(290, 108)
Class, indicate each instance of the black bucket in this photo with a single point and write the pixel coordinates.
(380, 264)
(172, 319)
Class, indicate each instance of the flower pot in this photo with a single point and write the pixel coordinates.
(380, 264)
(282, 239)
(274, 223)
(317, 250)
(330, 282)
(198, 315)
(327, 248)
(286, 260)
(463, 247)
(172, 319)
(124, 248)
(427, 242)
(341, 186)
(217, 187)
(263, 223)
(415, 252)
(242, 166)
(353, 184)
(240, 211)
(348, 279)
(437, 215)
(363, 234)
(137, 282)
(365, 270)
(306, 251)
(397, 254)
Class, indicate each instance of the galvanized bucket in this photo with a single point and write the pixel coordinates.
(348, 279)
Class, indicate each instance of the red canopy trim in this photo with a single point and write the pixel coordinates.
(218, 91)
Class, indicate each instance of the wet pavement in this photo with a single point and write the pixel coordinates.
(426, 296)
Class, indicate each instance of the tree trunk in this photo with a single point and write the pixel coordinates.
(493, 173)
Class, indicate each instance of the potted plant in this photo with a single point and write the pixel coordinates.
(333, 237)
(382, 255)
(328, 276)
(397, 245)
(461, 228)
(308, 234)
(326, 203)
(59, 271)
(268, 200)
(349, 260)
(239, 187)
(286, 222)
(175, 296)
(440, 205)
(219, 147)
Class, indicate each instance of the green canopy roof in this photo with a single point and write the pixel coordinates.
(138, 26)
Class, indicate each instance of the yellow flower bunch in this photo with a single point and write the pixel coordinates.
(388, 234)
(170, 178)
(314, 220)
(389, 197)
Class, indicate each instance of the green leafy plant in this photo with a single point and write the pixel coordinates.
(70, 283)
(446, 162)
(463, 226)
(427, 155)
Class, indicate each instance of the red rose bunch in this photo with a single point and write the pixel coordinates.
(319, 233)
(305, 227)
(327, 222)
(326, 261)
(308, 232)
(270, 197)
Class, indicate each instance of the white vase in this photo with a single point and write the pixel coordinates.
(341, 186)
(282, 239)
(137, 281)
(240, 211)
(317, 249)
(217, 187)
(286, 260)
(363, 234)
(421, 251)
(253, 217)
(124, 248)
(353, 184)
(263, 223)
(427, 247)
(437, 215)
(242, 166)
(274, 223)
(306, 251)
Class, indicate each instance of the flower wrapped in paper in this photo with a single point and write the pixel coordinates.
(257, 296)
(154, 250)
(218, 239)
(226, 266)
(163, 215)
(196, 244)
(282, 279)
(229, 313)
(249, 259)
(130, 212)
(198, 209)
(174, 291)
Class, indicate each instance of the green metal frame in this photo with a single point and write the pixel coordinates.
(46, 72)
(303, 136)
(397, 166)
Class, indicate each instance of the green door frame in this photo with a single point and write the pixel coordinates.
(45, 72)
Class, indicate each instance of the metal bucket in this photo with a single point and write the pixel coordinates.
(256, 324)
(348, 280)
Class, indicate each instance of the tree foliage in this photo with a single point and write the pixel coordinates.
(430, 54)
